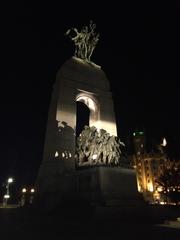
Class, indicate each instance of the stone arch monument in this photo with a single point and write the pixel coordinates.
(78, 79)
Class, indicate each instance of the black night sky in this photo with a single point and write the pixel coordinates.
(138, 50)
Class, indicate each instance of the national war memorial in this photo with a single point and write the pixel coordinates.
(82, 158)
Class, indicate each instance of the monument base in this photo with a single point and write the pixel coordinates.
(96, 186)
(108, 186)
(54, 185)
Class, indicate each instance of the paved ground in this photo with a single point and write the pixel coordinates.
(171, 224)
(109, 223)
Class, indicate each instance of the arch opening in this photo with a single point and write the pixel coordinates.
(82, 116)
(91, 102)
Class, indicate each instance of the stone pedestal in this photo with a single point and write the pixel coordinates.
(98, 186)
(108, 186)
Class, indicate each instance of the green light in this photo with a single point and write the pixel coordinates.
(138, 133)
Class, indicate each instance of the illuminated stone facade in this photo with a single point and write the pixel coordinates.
(148, 167)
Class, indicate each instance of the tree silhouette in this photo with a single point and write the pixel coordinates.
(169, 180)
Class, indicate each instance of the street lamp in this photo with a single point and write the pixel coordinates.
(31, 195)
(32, 190)
(10, 180)
(7, 195)
(27, 196)
(23, 197)
(24, 190)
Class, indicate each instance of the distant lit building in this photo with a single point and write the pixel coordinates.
(148, 167)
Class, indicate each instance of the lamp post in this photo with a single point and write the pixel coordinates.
(23, 197)
(7, 195)
(31, 195)
(27, 196)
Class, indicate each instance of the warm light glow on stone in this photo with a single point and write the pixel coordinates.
(139, 187)
(56, 154)
(90, 103)
(159, 189)
(150, 187)
(110, 127)
(164, 143)
(94, 156)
